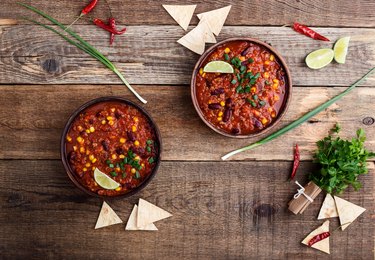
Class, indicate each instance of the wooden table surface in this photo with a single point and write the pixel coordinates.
(221, 210)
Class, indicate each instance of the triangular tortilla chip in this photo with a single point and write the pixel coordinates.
(322, 245)
(348, 212)
(194, 40)
(149, 213)
(107, 217)
(216, 18)
(328, 209)
(208, 37)
(132, 222)
(182, 14)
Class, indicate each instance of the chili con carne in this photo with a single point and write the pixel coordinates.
(303, 29)
(296, 162)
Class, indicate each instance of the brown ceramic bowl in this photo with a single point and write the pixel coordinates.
(65, 161)
(287, 96)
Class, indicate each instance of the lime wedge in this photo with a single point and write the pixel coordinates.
(319, 58)
(341, 49)
(218, 66)
(104, 180)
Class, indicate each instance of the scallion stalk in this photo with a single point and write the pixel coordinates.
(300, 120)
(81, 44)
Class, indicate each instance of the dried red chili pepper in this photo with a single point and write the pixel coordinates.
(303, 29)
(296, 162)
(88, 8)
(112, 23)
(107, 27)
(318, 238)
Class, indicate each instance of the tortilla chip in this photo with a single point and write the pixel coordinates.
(107, 217)
(348, 212)
(194, 40)
(208, 37)
(149, 213)
(216, 18)
(132, 222)
(322, 245)
(182, 14)
(328, 209)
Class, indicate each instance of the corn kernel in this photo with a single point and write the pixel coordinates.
(204, 74)
(143, 165)
(253, 89)
(88, 164)
(93, 168)
(201, 71)
(275, 86)
(113, 109)
(84, 169)
(80, 128)
(75, 148)
(132, 170)
(104, 122)
(109, 118)
(276, 81)
(87, 152)
(118, 188)
(267, 62)
(80, 140)
(266, 75)
(227, 50)
(82, 149)
(256, 112)
(219, 118)
(270, 109)
(92, 129)
(69, 139)
(111, 122)
(122, 156)
(220, 113)
(87, 131)
(122, 140)
(91, 157)
(272, 58)
(264, 121)
(136, 143)
(114, 156)
(222, 103)
(242, 58)
(137, 158)
(276, 98)
(135, 119)
(94, 161)
(209, 101)
(134, 128)
(273, 114)
(117, 169)
(95, 184)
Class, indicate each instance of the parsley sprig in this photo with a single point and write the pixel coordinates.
(341, 162)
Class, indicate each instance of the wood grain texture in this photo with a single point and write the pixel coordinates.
(231, 210)
(150, 55)
(357, 13)
(32, 119)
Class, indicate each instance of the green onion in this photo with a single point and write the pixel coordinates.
(301, 120)
(255, 97)
(251, 60)
(111, 165)
(149, 142)
(233, 81)
(151, 160)
(226, 56)
(81, 44)
(239, 89)
(123, 174)
(108, 161)
(137, 175)
(262, 103)
(148, 148)
(114, 174)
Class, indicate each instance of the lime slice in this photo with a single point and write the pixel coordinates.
(218, 66)
(341, 49)
(104, 180)
(319, 58)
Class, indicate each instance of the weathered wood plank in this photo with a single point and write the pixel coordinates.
(257, 12)
(32, 119)
(220, 210)
(151, 55)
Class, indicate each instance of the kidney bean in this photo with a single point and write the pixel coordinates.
(235, 131)
(119, 114)
(228, 102)
(105, 144)
(217, 91)
(131, 136)
(258, 124)
(72, 156)
(227, 114)
(214, 106)
(246, 51)
(119, 150)
(244, 63)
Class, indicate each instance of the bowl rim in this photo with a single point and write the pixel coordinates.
(287, 97)
(67, 126)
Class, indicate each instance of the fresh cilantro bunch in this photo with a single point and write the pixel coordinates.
(341, 162)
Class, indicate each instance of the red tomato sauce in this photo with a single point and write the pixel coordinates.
(248, 100)
(116, 138)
